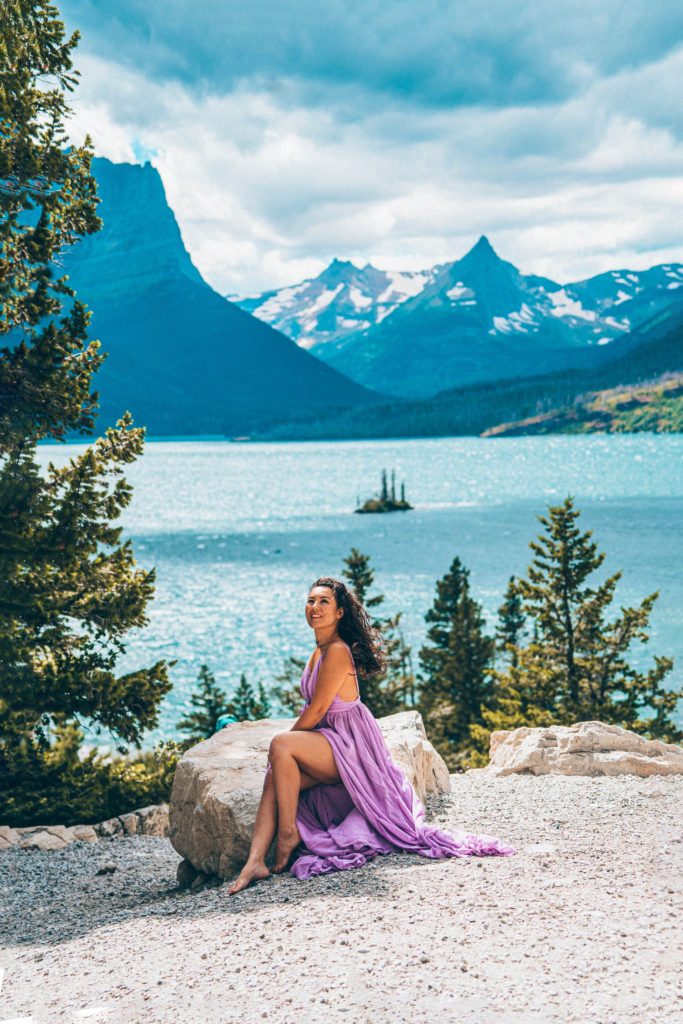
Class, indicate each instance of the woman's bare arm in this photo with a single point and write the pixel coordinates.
(331, 676)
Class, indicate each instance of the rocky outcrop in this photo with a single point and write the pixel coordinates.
(425, 770)
(148, 821)
(218, 784)
(586, 748)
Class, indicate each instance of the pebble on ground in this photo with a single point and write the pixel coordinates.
(581, 926)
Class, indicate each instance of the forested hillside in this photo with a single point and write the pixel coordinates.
(654, 349)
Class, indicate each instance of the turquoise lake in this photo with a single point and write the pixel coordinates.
(237, 533)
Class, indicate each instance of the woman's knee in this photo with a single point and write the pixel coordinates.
(278, 745)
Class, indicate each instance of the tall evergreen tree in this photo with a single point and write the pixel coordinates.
(511, 621)
(248, 705)
(392, 690)
(576, 668)
(361, 577)
(70, 592)
(209, 705)
(457, 666)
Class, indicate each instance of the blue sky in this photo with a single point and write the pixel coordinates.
(395, 132)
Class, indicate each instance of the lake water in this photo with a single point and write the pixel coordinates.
(237, 533)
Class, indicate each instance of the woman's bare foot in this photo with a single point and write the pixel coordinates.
(249, 873)
(286, 843)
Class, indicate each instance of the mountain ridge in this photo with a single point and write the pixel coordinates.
(477, 318)
(650, 351)
(182, 358)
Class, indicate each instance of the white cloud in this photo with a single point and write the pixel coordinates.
(267, 191)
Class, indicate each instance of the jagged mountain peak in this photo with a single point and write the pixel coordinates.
(474, 318)
(147, 242)
(181, 357)
(482, 248)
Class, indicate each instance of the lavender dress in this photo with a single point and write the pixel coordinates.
(374, 809)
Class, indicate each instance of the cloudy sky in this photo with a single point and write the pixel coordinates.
(395, 132)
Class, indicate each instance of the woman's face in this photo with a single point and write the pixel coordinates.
(321, 608)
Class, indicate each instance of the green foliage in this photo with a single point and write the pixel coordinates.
(511, 622)
(47, 204)
(62, 785)
(392, 690)
(576, 669)
(361, 576)
(386, 501)
(287, 691)
(248, 705)
(209, 704)
(70, 590)
(654, 349)
(457, 678)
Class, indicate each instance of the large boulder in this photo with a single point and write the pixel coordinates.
(218, 784)
(586, 748)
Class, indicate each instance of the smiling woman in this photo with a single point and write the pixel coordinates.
(332, 793)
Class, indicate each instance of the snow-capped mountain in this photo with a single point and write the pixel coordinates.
(477, 318)
(341, 301)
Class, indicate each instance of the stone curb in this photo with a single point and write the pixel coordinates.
(146, 821)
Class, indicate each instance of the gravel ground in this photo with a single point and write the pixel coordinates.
(583, 925)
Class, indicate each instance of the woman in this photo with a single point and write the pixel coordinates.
(332, 792)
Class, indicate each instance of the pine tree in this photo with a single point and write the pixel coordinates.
(511, 622)
(393, 690)
(576, 668)
(287, 691)
(70, 591)
(209, 703)
(457, 667)
(361, 577)
(245, 705)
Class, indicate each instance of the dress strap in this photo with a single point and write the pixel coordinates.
(355, 673)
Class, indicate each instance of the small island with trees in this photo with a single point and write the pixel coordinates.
(386, 501)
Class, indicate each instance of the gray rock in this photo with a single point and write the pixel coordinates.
(84, 833)
(586, 748)
(185, 874)
(153, 820)
(130, 823)
(107, 867)
(41, 840)
(8, 837)
(110, 827)
(425, 769)
(62, 831)
(218, 784)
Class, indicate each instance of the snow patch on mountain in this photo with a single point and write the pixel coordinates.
(563, 306)
(357, 298)
(337, 313)
(344, 300)
(460, 292)
(403, 286)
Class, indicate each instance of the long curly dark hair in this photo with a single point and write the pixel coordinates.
(356, 629)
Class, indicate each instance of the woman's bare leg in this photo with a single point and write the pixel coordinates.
(298, 760)
(265, 827)
(264, 833)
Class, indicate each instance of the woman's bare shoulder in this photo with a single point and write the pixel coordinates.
(338, 654)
